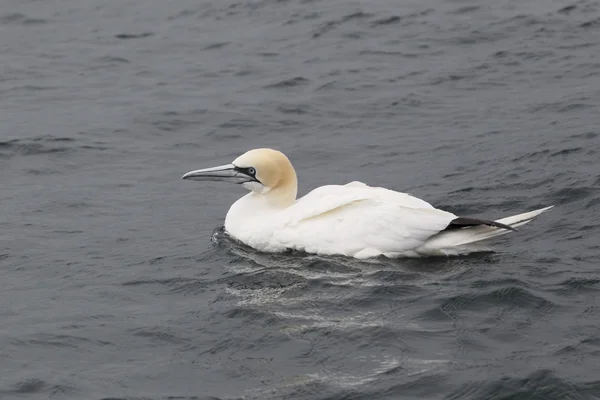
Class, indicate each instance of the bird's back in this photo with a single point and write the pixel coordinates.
(358, 220)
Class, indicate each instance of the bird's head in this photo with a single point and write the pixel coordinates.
(260, 170)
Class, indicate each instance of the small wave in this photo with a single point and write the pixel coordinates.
(174, 121)
(397, 19)
(310, 321)
(134, 35)
(589, 346)
(590, 205)
(565, 152)
(108, 62)
(181, 285)
(53, 340)
(565, 106)
(24, 148)
(112, 59)
(386, 20)
(238, 123)
(30, 386)
(508, 298)
(158, 334)
(43, 145)
(252, 315)
(577, 286)
(390, 53)
(508, 282)
(465, 10)
(333, 24)
(573, 194)
(20, 19)
(585, 135)
(594, 23)
(288, 83)
(216, 46)
(42, 172)
(26, 88)
(294, 109)
(566, 10)
(541, 384)
(262, 279)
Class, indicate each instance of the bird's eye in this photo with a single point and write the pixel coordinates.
(251, 171)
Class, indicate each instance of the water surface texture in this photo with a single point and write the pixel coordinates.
(117, 282)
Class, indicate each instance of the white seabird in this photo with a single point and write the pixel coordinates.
(354, 220)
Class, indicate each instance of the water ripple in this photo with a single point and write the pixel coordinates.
(112, 287)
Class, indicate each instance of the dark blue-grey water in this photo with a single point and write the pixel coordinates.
(115, 282)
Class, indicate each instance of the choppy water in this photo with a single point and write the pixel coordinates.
(111, 286)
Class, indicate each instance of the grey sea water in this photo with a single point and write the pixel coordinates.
(117, 283)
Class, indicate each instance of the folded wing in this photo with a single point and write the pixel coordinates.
(358, 220)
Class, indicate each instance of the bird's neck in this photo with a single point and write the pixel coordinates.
(280, 197)
(284, 194)
(258, 207)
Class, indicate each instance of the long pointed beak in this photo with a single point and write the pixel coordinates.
(227, 173)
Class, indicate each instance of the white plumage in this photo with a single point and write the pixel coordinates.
(354, 220)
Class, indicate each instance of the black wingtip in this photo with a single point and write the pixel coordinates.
(465, 222)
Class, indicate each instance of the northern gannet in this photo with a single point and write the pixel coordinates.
(354, 220)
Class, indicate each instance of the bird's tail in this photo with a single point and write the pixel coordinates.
(469, 239)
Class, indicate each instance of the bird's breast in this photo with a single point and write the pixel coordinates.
(254, 224)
